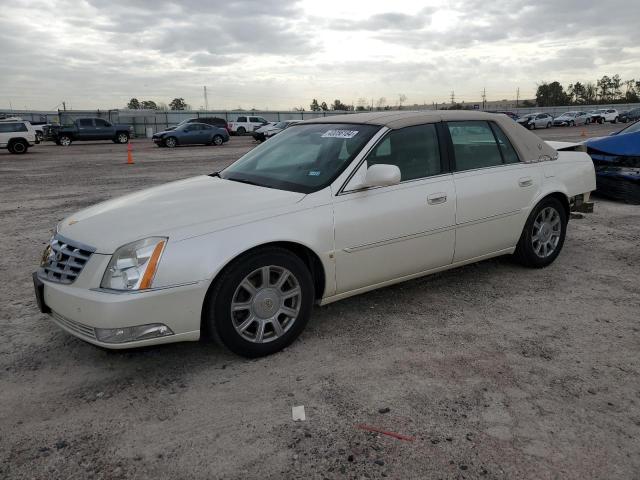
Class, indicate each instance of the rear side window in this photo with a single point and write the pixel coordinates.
(509, 154)
(414, 150)
(12, 127)
(474, 145)
(85, 122)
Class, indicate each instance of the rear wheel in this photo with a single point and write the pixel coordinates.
(217, 140)
(18, 147)
(170, 142)
(65, 140)
(543, 235)
(241, 131)
(260, 303)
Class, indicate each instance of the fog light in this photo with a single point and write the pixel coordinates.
(132, 334)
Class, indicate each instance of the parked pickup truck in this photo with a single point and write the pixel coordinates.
(90, 129)
(244, 125)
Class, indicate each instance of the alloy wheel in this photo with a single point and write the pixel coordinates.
(266, 304)
(547, 229)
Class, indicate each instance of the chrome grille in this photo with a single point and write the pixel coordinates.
(78, 328)
(65, 260)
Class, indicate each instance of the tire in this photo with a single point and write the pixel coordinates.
(122, 137)
(543, 235)
(170, 142)
(39, 136)
(572, 123)
(601, 121)
(548, 125)
(615, 120)
(241, 131)
(18, 147)
(253, 324)
(65, 140)
(217, 140)
(532, 126)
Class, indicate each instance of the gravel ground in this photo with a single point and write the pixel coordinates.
(489, 371)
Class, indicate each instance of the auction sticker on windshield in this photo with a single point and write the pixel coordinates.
(340, 134)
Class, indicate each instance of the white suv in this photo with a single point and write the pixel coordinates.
(17, 135)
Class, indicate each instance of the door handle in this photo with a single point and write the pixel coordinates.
(525, 181)
(436, 198)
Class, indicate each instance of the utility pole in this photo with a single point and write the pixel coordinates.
(517, 97)
(64, 106)
(484, 98)
(206, 100)
(453, 98)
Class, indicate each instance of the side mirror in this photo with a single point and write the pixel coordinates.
(382, 175)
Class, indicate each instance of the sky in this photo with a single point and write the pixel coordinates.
(269, 54)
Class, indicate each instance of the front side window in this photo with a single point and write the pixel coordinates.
(85, 122)
(303, 158)
(242, 119)
(102, 123)
(474, 145)
(414, 150)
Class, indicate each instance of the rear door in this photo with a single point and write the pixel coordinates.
(86, 129)
(386, 233)
(494, 189)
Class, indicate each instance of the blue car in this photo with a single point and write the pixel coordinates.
(191, 134)
(617, 162)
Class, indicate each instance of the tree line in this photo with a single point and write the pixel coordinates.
(362, 105)
(606, 90)
(175, 104)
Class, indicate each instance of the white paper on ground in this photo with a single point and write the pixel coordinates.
(298, 413)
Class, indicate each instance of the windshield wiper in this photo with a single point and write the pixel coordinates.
(248, 182)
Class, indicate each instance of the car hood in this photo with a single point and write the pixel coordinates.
(624, 144)
(178, 210)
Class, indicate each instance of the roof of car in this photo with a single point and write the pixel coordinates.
(395, 120)
(531, 147)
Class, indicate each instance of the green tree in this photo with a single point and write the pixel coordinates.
(324, 106)
(551, 95)
(178, 104)
(338, 105)
(134, 104)
(314, 106)
(148, 105)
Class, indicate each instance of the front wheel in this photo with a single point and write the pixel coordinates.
(572, 123)
(543, 235)
(260, 303)
(122, 138)
(549, 125)
(532, 126)
(217, 140)
(615, 120)
(170, 142)
(241, 131)
(65, 140)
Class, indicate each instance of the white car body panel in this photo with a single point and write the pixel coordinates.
(363, 238)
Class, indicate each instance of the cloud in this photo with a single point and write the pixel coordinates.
(280, 54)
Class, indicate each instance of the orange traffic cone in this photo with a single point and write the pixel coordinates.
(129, 154)
(583, 133)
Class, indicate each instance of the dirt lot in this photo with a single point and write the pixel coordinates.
(494, 371)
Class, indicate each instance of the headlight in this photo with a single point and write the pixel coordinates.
(133, 266)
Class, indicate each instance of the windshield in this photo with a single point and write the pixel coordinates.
(281, 125)
(303, 158)
(633, 128)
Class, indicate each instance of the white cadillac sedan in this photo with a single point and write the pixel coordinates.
(329, 208)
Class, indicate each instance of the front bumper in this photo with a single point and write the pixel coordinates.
(80, 311)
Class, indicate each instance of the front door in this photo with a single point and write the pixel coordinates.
(387, 233)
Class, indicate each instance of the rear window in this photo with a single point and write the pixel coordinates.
(474, 145)
(12, 127)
